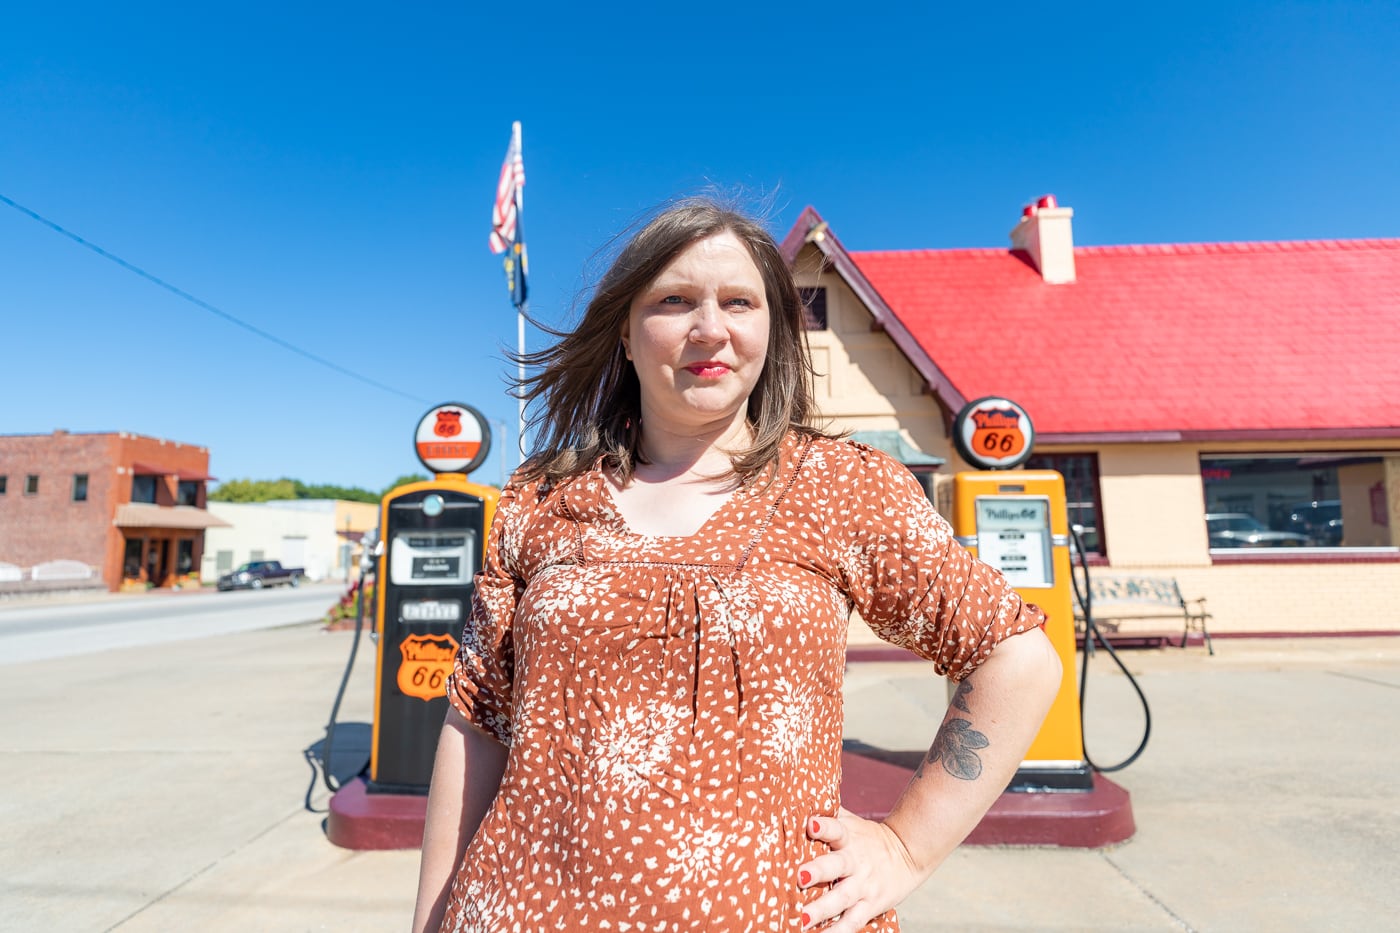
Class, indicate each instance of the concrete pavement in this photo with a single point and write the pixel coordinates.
(166, 788)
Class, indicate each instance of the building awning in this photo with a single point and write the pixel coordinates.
(145, 515)
(894, 444)
(153, 469)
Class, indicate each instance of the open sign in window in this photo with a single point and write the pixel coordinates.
(1013, 535)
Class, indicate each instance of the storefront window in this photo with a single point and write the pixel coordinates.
(131, 562)
(1081, 473)
(184, 562)
(1313, 501)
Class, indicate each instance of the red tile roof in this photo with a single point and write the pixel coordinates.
(1292, 339)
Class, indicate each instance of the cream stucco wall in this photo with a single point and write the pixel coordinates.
(1152, 494)
(864, 383)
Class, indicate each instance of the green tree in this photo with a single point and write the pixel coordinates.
(254, 490)
(331, 491)
(404, 481)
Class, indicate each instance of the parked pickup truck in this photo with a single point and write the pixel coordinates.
(257, 574)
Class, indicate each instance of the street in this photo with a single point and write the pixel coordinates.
(171, 787)
(58, 629)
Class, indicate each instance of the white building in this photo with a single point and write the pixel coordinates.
(320, 535)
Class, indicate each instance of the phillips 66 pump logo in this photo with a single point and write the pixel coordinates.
(427, 660)
(993, 433)
(449, 422)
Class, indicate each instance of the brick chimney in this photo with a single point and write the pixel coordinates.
(1045, 233)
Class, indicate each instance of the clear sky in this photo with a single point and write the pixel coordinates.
(325, 172)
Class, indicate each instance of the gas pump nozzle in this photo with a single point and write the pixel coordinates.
(373, 549)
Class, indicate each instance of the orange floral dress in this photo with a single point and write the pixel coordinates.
(672, 705)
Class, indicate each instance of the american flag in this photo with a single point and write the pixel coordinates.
(505, 213)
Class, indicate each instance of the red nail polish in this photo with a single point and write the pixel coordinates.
(804, 878)
(806, 920)
(816, 827)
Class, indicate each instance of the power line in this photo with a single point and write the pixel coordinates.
(200, 303)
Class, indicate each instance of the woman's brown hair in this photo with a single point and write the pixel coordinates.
(585, 395)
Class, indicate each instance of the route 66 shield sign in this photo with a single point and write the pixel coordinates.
(993, 433)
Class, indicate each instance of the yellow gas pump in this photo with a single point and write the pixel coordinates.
(1017, 521)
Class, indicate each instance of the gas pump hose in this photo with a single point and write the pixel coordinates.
(1091, 631)
(329, 778)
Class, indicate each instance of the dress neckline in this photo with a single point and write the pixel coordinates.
(620, 521)
(589, 498)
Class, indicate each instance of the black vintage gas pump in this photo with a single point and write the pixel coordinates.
(433, 533)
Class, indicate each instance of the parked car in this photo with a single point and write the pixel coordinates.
(1320, 520)
(1240, 529)
(257, 574)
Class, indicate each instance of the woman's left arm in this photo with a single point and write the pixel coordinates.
(991, 721)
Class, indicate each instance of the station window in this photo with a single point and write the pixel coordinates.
(31, 484)
(143, 488)
(1323, 500)
(4, 481)
(1082, 500)
(80, 487)
(813, 308)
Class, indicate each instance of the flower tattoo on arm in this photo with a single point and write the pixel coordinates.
(957, 742)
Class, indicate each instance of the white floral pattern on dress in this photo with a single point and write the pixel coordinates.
(672, 705)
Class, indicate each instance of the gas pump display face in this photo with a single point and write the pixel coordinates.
(421, 558)
(1013, 535)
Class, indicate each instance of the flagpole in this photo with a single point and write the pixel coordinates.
(508, 236)
(524, 303)
(520, 371)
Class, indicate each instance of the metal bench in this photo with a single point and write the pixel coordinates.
(1117, 599)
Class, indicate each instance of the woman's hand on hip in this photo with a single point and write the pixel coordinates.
(869, 871)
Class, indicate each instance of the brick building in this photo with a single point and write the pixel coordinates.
(130, 507)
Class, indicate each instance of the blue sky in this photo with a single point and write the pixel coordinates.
(325, 173)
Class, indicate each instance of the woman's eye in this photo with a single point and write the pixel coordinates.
(741, 302)
(673, 300)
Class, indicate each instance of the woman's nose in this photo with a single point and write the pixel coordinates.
(708, 323)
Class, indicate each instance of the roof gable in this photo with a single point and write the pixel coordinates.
(1157, 342)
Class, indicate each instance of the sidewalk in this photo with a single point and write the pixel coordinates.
(164, 788)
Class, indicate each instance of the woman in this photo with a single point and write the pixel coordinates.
(646, 724)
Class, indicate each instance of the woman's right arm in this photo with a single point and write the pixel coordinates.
(466, 775)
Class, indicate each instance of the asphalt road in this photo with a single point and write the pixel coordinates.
(36, 632)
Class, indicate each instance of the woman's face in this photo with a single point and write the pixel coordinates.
(698, 337)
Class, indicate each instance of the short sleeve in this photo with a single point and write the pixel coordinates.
(912, 583)
(484, 670)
